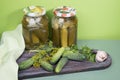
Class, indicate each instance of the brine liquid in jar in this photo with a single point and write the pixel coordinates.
(64, 26)
(35, 26)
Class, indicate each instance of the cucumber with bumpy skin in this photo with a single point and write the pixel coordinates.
(26, 64)
(57, 55)
(46, 65)
(74, 56)
(63, 61)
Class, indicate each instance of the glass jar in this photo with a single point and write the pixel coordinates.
(35, 26)
(64, 26)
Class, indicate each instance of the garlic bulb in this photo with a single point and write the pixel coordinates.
(101, 56)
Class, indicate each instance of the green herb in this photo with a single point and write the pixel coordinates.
(74, 47)
(88, 53)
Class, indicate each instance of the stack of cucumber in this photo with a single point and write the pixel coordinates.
(54, 59)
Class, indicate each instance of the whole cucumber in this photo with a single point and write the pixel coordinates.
(57, 55)
(61, 64)
(74, 56)
(46, 65)
(26, 64)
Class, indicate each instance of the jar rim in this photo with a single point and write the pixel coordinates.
(34, 11)
(64, 11)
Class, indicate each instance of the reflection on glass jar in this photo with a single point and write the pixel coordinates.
(64, 26)
(35, 26)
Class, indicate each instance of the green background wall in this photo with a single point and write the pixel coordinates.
(97, 19)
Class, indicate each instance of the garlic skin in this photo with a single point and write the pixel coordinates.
(101, 56)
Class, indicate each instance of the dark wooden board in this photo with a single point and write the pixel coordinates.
(71, 67)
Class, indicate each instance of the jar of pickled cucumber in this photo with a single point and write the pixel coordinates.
(35, 26)
(64, 26)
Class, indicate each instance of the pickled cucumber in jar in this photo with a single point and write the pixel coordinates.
(64, 26)
(35, 26)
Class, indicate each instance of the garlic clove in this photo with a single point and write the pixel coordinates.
(101, 56)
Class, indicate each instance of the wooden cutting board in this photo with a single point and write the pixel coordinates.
(70, 67)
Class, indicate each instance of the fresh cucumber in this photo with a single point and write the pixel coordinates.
(57, 55)
(74, 56)
(61, 64)
(46, 65)
(26, 64)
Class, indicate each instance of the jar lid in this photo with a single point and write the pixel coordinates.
(34, 11)
(64, 11)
